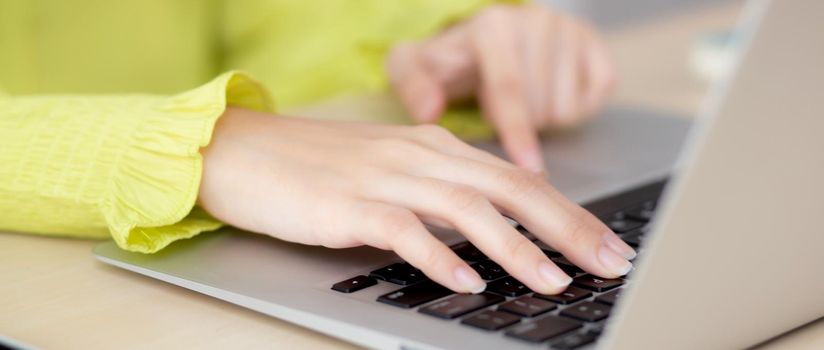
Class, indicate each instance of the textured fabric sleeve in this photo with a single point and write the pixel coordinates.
(343, 51)
(124, 165)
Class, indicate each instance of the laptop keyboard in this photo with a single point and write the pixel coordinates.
(569, 320)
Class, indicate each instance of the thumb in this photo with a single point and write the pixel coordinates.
(419, 90)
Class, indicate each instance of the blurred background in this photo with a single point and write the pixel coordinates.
(668, 52)
(615, 13)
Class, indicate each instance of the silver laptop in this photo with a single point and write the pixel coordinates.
(730, 254)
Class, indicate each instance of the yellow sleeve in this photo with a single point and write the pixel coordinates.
(342, 50)
(122, 165)
(306, 51)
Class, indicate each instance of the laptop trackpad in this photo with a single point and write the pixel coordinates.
(623, 147)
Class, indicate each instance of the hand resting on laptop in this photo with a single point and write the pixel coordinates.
(341, 184)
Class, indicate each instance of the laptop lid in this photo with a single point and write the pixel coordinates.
(736, 253)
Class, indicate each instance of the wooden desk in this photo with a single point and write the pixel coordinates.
(54, 295)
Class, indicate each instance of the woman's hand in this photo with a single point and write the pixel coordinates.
(530, 68)
(348, 184)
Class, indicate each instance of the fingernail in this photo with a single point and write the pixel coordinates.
(470, 280)
(619, 246)
(613, 261)
(553, 276)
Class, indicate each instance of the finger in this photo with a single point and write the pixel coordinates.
(564, 225)
(439, 139)
(419, 91)
(540, 48)
(567, 75)
(448, 58)
(400, 230)
(434, 137)
(502, 88)
(472, 215)
(599, 70)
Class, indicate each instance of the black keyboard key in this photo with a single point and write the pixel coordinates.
(491, 320)
(489, 270)
(414, 295)
(624, 225)
(387, 272)
(634, 238)
(468, 252)
(507, 286)
(548, 251)
(461, 304)
(409, 277)
(644, 212)
(597, 328)
(575, 340)
(399, 273)
(543, 329)
(587, 311)
(568, 296)
(567, 265)
(526, 233)
(609, 298)
(596, 283)
(527, 306)
(354, 284)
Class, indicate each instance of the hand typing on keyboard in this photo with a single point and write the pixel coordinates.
(342, 184)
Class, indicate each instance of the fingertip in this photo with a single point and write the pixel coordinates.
(614, 264)
(619, 246)
(531, 159)
(468, 280)
(428, 106)
(555, 279)
(524, 149)
(433, 107)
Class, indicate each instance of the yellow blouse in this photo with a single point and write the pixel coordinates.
(96, 137)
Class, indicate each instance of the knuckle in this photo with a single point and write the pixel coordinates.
(395, 144)
(434, 132)
(408, 152)
(431, 260)
(397, 222)
(519, 183)
(464, 199)
(574, 232)
(438, 135)
(517, 246)
(400, 148)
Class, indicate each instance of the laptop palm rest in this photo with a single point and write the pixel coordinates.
(622, 148)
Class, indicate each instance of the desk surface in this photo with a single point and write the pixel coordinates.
(55, 295)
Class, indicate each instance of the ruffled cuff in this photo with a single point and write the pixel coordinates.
(155, 183)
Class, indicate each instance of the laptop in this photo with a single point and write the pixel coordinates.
(730, 242)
